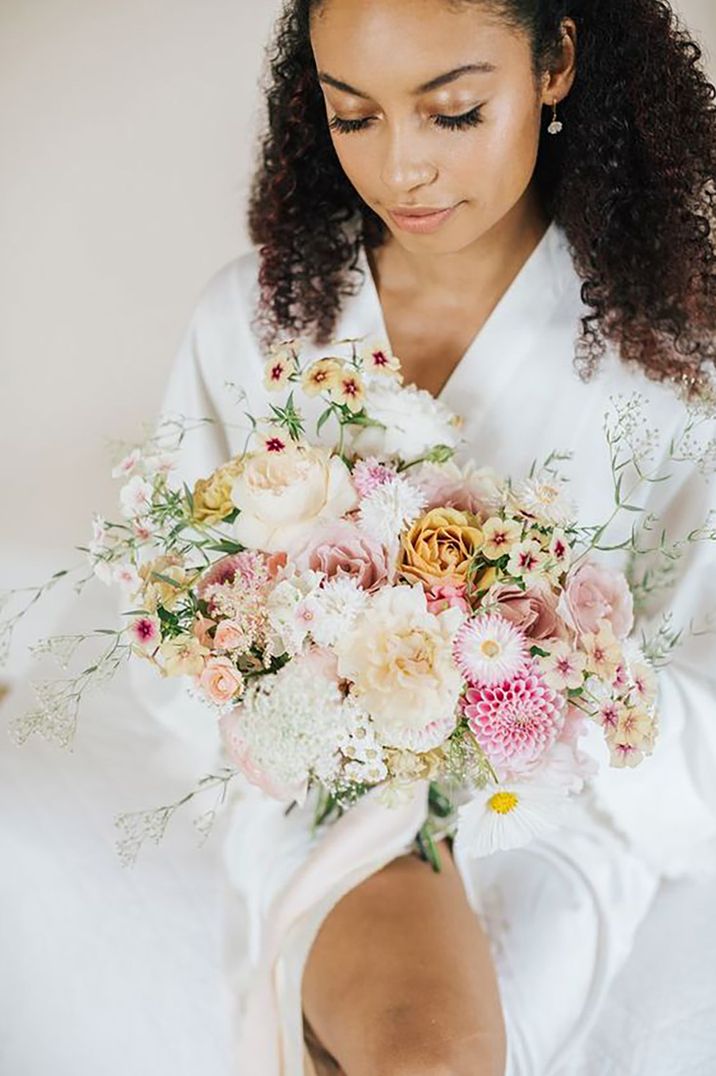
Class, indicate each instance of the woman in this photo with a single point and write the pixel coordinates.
(519, 196)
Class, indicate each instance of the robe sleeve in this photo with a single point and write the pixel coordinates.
(190, 392)
(667, 805)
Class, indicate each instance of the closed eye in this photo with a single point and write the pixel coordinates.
(451, 123)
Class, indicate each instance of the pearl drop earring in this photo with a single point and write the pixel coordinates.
(556, 125)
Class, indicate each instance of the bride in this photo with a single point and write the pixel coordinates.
(518, 196)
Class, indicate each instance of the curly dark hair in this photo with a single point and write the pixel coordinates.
(632, 183)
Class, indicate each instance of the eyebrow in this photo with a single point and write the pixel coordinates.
(484, 67)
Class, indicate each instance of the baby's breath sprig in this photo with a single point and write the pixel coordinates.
(151, 825)
(55, 716)
(7, 597)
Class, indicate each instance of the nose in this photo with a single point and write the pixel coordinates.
(406, 163)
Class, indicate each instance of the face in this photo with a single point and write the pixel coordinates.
(411, 131)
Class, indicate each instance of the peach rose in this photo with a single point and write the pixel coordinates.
(221, 680)
(229, 636)
(592, 593)
(439, 546)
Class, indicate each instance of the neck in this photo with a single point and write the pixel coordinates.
(479, 268)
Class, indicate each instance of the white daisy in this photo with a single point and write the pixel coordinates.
(489, 649)
(505, 816)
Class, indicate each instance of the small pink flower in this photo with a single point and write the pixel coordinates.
(515, 721)
(142, 529)
(146, 632)
(228, 636)
(128, 465)
(369, 474)
(221, 680)
(595, 593)
(447, 596)
(341, 549)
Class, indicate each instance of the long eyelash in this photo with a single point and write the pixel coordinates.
(346, 126)
(459, 123)
(451, 123)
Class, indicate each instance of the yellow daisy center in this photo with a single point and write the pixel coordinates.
(503, 802)
(490, 648)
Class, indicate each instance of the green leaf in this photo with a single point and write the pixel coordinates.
(167, 579)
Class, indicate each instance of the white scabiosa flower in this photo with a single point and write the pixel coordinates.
(390, 509)
(338, 602)
(544, 499)
(489, 649)
(504, 816)
(412, 422)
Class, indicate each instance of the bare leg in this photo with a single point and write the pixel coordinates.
(400, 978)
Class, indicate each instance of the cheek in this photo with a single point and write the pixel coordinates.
(356, 157)
(510, 146)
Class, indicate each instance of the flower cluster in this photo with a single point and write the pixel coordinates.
(366, 610)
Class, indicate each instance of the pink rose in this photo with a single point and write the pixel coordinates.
(228, 636)
(239, 753)
(341, 549)
(447, 596)
(532, 611)
(221, 680)
(593, 593)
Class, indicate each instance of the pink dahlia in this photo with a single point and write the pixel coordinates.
(515, 721)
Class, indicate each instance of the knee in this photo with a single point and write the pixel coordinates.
(481, 1053)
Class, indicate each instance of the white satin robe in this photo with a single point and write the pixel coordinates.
(561, 913)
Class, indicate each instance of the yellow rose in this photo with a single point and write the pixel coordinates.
(183, 656)
(212, 495)
(439, 546)
(156, 591)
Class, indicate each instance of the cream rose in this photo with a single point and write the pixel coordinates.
(284, 497)
(399, 656)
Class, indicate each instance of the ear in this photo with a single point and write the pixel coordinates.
(559, 79)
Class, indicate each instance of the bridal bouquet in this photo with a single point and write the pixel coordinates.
(359, 609)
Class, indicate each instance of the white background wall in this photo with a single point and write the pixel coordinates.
(126, 137)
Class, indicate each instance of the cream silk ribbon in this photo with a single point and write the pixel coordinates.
(363, 840)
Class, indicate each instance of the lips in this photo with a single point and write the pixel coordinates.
(419, 212)
(421, 220)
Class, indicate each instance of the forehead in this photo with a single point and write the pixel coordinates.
(400, 44)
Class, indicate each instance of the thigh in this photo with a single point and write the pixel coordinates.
(400, 977)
